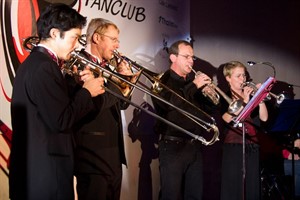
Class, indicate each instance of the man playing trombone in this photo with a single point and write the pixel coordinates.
(43, 112)
(180, 157)
(100, 152)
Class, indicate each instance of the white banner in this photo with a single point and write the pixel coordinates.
(147, 28)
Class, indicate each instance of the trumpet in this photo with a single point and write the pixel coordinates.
(279, 98)
(213, 93)
(81, 59)
(210, 92)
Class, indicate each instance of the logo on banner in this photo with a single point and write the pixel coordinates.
(118, 8)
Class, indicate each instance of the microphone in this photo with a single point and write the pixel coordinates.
(252, 63)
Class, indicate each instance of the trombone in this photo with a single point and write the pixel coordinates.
(205, 125)
(157, 85)
(80, 58)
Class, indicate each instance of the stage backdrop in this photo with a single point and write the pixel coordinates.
(147, 28)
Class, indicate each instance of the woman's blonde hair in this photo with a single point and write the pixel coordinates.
(228, 67)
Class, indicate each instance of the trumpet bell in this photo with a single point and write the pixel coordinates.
(152, 76)
(279, 98)
(155, 79)
(235, 106)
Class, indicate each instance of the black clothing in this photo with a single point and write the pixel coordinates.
(232, 162)
(100, 148)
(43, 113)
(180, 156)
(232, 178)
(186, 89)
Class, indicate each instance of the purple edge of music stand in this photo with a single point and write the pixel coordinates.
(261, 93)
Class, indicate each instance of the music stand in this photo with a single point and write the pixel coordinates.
(259, 96)
(288, 120)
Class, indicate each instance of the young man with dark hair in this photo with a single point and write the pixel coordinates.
(43, 111)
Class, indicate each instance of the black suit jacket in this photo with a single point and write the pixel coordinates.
(99, 137)
(43, 113)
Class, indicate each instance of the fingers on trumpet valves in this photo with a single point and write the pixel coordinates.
(202, 80)
(248, 90)
(203, 76)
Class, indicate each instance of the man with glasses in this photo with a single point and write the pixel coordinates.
(180, 157)
(99, 138)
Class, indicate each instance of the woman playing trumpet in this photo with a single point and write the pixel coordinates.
(232, 177)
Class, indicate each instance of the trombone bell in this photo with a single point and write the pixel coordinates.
(30, 42)
(82, 59)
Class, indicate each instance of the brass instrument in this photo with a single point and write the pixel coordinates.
(112, 76)
(67, 67)
(210, 91)
(152, 76)
(80, 58)
(30, 42)
(213, 92)
(158, 86)
(207, 126)
(279, 98)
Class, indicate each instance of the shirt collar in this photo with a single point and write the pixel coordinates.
(50, 51)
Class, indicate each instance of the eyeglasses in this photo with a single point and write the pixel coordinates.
(188, 56)
(113, 39)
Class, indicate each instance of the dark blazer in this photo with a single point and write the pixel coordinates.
(99, 137)
(43, 113)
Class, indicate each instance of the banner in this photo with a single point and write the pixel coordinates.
(147, 28)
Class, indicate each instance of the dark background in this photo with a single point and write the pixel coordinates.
(249, 29)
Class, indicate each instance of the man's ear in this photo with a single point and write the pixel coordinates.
(54, 33)
(95, 38)
(173, 57)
